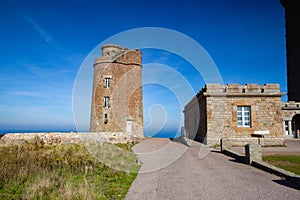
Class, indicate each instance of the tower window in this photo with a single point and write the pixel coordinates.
(106, 102)
(105, 118)
(107, 82)
(244, 116)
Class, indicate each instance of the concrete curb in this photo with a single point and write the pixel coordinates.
(264, 166)
(275, 170)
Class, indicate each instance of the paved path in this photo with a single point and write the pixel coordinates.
(201, 176)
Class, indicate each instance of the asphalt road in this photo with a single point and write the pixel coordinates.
(172, 170)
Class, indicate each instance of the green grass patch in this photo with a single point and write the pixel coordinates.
(287, 162)
(266, 146)
(66, 171)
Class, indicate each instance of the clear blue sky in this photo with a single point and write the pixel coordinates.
(43, 44)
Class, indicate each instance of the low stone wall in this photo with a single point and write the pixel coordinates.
(245, 140)
(53, 138)
(253, 157)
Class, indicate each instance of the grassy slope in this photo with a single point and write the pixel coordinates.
(65, 171)
(287, 162)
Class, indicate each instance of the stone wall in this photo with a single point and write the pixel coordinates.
(291, 119)
(124, 68)
(61, 138)
(192, 119)
(221, 102)
(290, 109)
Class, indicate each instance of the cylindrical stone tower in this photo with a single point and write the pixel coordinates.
(117, 91)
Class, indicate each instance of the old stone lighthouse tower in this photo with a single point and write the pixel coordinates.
(117, 91)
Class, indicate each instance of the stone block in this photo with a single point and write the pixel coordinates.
(252, 152)
(225, 144)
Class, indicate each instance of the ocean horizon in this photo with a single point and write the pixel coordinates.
(37, 131)
(162, 134)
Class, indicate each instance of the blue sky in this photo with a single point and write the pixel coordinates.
(43, 44)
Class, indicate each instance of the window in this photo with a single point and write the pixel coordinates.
(107, 82)
(244, 116)
(105, 118)
(106, 102)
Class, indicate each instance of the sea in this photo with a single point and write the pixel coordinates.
(164, 134)
(161, 134)
(36, 131)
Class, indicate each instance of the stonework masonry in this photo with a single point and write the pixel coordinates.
(214, 114)
(117, 91)
(56, 138)
(291, 119)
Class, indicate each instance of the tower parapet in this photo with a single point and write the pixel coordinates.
(241, 90)
(111, 50)
(112, 53)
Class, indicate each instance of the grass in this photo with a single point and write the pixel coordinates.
(287, 162)
(66, 171)
(266, 146)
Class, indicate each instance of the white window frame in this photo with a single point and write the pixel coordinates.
(244, 116)
(107, 82)
(106, 102)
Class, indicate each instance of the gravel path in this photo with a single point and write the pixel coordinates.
(194, 175)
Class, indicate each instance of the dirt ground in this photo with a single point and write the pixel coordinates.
(292, 148)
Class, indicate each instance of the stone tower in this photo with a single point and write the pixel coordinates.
(117, 91)
(292, 22)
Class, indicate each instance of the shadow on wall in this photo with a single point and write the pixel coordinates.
(296, 121)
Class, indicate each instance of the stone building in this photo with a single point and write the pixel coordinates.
(291, 109)
(292, 21)
(243, 113)
(117, 91)
(240, 113)
(291, 119)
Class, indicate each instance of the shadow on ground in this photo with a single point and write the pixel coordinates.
(180, 140)
(288, 183)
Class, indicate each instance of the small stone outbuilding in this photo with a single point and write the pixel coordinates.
(240, 113)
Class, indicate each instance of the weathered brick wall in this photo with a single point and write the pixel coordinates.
(123, 67)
